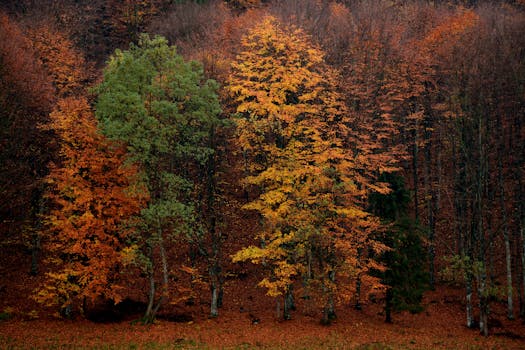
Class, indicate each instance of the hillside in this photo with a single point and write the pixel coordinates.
(262, 174)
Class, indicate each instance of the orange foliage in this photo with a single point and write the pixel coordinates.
(92, 201)
(449, 32)
(65, 64)
(21, 71)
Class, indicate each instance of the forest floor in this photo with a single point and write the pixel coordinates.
(439, 326)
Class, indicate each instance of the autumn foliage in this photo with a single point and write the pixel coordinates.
(313, 154)
(293, 129)
(93, 204)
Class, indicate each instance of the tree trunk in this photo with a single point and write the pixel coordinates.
(357, 304)
(415, 154)
(214, 307)
(154, 306)
(288, 303)
(148, 315)
(388, 305)
(480, 232)
(483, 302)
(429, 195)
(35, 252)
(216, 288)
(470, 313)
(329, 308)
(510, 306)
(520, 240)
(522, 236)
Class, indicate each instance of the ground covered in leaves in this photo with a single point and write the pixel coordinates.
(440, 326)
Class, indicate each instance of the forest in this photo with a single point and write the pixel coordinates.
(262, 174)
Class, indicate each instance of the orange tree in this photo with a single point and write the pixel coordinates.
(294, 134)
(91, 201)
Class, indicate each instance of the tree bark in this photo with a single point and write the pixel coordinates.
(480, 232)
(510, 306)
(357, 304)
(329, 308)
(522, 236)
(388, 305)
(288, 303)
(415, 154)
(469, 309)
(216, 289)
(154, 306)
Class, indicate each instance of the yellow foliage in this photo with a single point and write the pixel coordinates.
(293, 128)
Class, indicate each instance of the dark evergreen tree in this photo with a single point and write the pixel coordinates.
(405, 277)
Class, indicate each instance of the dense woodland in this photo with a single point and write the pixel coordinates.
(338, 152)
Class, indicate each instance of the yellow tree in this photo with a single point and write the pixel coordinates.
(293, 130)
(92, 199)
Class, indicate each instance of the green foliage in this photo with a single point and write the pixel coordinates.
(6, 314)
(405, 276)
(405, 266)
(159, 105)
(165, 111)
(459, 268)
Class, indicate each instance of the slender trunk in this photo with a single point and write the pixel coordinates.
(216, 237)
(464, 202)
(388, 305)
(510, 306)
(148, 315)
(520, 220)
(522, 236)
(154, 306)
(288, 303)
(214, 308)
(35, 252)
(429, 195)
(357, 296)
(458, 203)
(329, 308)
(165, 273)
(216, 289)
(483, 303)
(164, 293)
(470, 313)
(415, 152)
(357, 304)
(482, 279)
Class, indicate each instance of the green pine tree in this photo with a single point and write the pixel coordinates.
(165, 111)
(405, 277)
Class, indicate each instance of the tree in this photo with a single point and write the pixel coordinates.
(405, 276)
(26, 98)
(293, 128)
(64, 63)
(91, 202)
(164, 111)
